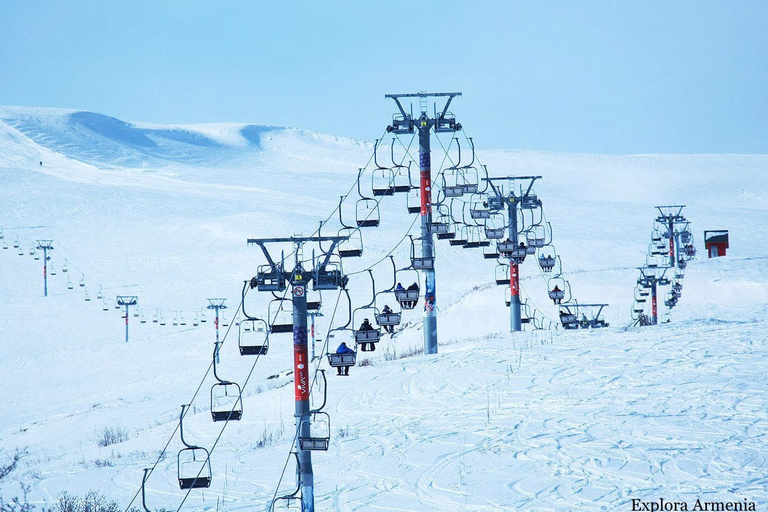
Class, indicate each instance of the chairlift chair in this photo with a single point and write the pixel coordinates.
(568, 319)
(450, 234)
(547, 262)
(87, 296)
(65, 268)
(462, 236)
(413, 200)
(329, 277)
(471, 178)
(453, 184)
(281, 319)
(53, 271)
(494, 226)
(182, 320)
(155, 317)
(226, 396)
(162, 319)
(502, 274)
(441, 220)
(36, 255)
(342, 360)
(352, 246)
(193, 463)
(21, 251)
(142, 319)
(82, 281)
(71, 286)
(491, 252)
(195, 321)
(16, 243)
(368, 214)
(319, 424)
(530, 201)
(402, 180)
(383, 182)
(685, 237)
(478, 209)
(104, 306)
(269, 278)
(253, 337)
(420, 261)
(366, 338)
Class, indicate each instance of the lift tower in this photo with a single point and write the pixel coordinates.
(440, 122)
(45, 246)
(668, 217)
(127, 301)
(275, 277)
(498, 198)
(652, 277)
(217, 304)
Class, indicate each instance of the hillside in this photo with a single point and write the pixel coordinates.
(543, 420)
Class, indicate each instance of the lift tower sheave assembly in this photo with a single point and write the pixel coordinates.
(669, 216)
(127, 301)
(443, 121)
(498, 198)
(273, 278)
(45, 246)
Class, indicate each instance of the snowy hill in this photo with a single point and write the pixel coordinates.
(543, 420)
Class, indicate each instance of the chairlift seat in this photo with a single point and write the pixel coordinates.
(281, 328)
(557, 294)
(271, 280)
(406, 297)
(547, 263)
(227, 415)
(450, 235)
(469, 188)
(494, 233)
(367, 223)
(472, 244)
(313, 305)
(388, 318)
(254, 350)
(367, 336)
(491, 255)
(342, 360)
(437, 228)
(529, 202)
(350, 253)
(453, 191)
(530, 249)
(328, 280)
(314, 443)
(479, 213)
(195, 483)
(384, 191)
(685, 237)
(414, 209)
(458, 241)
(422, 263)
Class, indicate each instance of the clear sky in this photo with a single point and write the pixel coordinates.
(683, 76)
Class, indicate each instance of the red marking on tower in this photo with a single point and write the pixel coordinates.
(514, 280)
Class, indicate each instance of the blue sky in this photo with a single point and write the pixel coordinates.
(582, 75)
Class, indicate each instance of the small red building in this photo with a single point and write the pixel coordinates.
(716, 242)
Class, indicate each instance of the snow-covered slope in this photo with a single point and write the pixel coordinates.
(536, 421)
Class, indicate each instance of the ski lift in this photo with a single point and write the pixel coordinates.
(176, 319)
(329, 277)
(193, 462)
(413, 200)
(314, 301)
(470, 176)
(475, 238)
(21, 251)
(568, 319)
(681, 263)
(689, 250)
(491, 252)
(453, 183)
(352, 246)
(155, 317)
(142, 319)
(366, 335)
(182, 320)
(685, 237)
(64, 267)
(104, 306)
(450, 234)
(100, 295)
(478, 209)
(530, 201)
(87, 296)
(203, 318)
(402, 178)
(345, 360)
(136, 313)
(117, 306)
(71, 286)
(383, 182)
(494, 226)
(253, 337)
(502, 274)
(16, 243)
(281, 318)
(36, 255)
(461, 238)
(638, 309)
(441, 220)
(162, 319)
(420, 260)
(82, 281)
(368, 214)
(224, 321)
(516, 253)
(318, 423)
(315, 428)
(226, 396)
(53, 271)
(547, 262)
(269, 278)
(391, 318)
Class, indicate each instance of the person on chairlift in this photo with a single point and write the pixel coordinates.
(366, 326)
(343, 349)
(388, 311)
(414, 286)
(557, 300)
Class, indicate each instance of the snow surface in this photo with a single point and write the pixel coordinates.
(535, 421)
